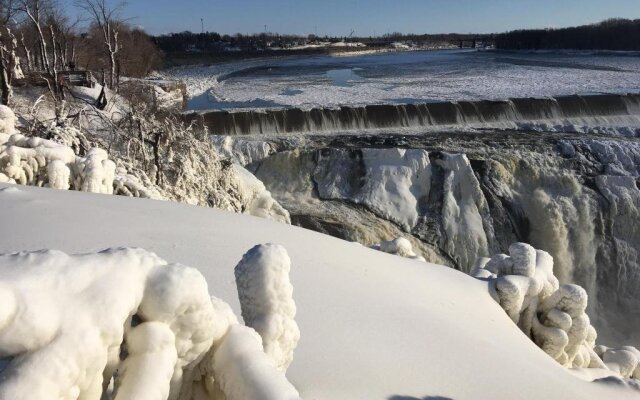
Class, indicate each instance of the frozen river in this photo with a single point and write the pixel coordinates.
(406, 78)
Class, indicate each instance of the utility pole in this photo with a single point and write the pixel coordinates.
(202, 24)
(265, 28)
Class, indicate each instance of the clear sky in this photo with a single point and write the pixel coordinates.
(368, 17)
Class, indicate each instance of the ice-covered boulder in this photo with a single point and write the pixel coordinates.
(390, 182)
(266, 298)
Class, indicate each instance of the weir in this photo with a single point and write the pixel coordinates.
(371, 117)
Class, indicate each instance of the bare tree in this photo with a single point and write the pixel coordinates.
(107, 20)
(5, 73)
(7, 11)
(35, 10)
(27, 53)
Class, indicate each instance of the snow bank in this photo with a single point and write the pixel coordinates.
(124, 324)
(398, 246)
(552, 315)
(266, 298)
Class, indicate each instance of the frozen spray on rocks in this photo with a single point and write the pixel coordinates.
(77, 327)
(552, 315)
(266, 298)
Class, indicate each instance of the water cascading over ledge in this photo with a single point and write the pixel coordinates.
(370, 117)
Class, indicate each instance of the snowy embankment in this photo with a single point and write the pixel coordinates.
(372, 325)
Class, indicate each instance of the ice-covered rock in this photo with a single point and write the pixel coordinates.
(463, 210)
(241, 150)
(266, 298)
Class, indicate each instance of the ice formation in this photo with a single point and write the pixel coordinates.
(123, 324)
(191, 172)
(40, 162)
(399, 246)
(463, 210)
(266, 297)
(7, 120)
(246, 372)
(576, 198)
(552, 315)
(256, 198)
(392, 182)
(624, 360)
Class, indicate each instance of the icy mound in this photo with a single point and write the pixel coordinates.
(398, 246)
(124, 324)
(552, 315)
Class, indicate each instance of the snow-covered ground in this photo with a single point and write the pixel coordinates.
(405, 77)
(372, 325)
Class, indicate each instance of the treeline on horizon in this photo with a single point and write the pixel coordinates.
(214, 41)
(612, 34)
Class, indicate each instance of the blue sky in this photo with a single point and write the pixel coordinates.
(366, 17)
